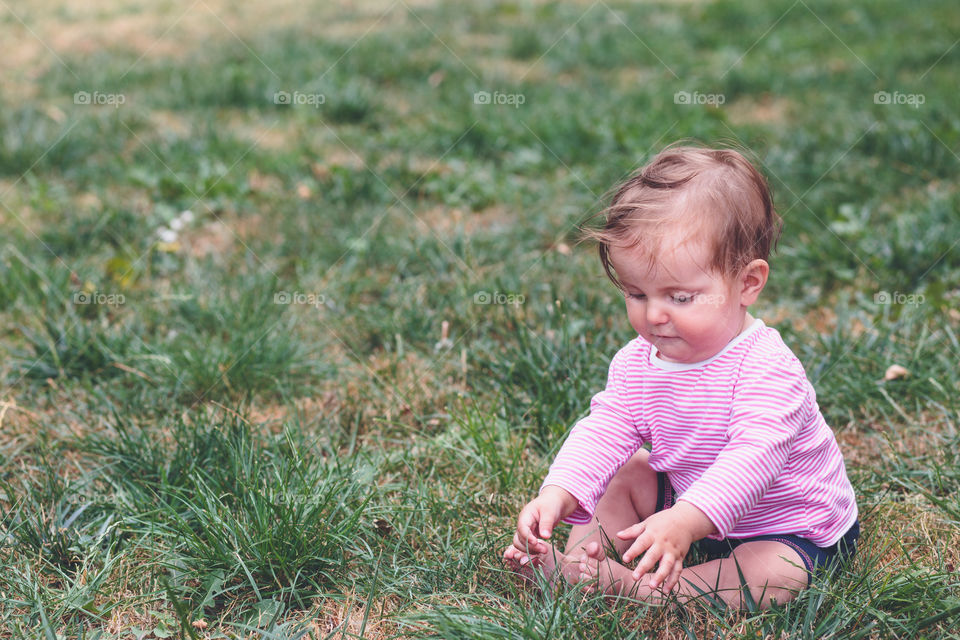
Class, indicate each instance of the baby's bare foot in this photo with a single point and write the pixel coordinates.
(519, 562)
(543, 568)
(599, 572)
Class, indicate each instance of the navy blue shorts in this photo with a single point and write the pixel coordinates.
(814, 558)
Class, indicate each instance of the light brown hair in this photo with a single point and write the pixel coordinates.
(715, 194)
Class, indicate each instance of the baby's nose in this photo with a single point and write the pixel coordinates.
(656, 313)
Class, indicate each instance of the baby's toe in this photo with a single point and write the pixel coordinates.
(594, 551)
(519, 562)
(582, 563)
(587, 577)
(512, 555)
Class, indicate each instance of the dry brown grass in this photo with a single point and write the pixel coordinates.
(48, 28)
(350, 614)
(448, 221)
(767, 110)
(911, 532)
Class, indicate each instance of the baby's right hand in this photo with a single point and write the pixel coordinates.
(540, 516)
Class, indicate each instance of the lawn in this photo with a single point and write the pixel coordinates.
(295, 311)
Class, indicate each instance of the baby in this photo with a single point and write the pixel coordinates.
(740, 460)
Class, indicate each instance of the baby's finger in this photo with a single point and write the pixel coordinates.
(522, 545)
(518, 543)
(547, 521)
(525, 523)
(674, 578)
(633, 531)
(527, 545)
(647, 562)
(526, 535)
(664, 571)
(639, 545)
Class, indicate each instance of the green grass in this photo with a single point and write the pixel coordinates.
(258, 426)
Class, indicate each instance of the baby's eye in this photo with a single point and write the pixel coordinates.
(637, 296)
(682, 298)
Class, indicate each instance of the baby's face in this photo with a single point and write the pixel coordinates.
(688, 312)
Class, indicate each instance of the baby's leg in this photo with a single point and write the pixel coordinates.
(630, 497)
(773, 571)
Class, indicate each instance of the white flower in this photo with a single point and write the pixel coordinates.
(186, 216)
(167, 235)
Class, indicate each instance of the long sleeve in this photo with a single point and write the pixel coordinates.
(768, 411)
(598, 445)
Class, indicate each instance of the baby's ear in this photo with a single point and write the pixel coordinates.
(753, 278)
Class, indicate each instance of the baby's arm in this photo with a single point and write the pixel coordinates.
(598, 444)
(666, 537)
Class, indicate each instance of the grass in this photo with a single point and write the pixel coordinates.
(249, 422)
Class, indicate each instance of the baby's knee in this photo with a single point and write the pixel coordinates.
(635, 470)
(634, 481)
(773, 571)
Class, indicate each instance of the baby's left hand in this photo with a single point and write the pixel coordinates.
(666, 537)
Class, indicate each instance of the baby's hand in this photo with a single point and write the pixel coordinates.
(540, 516)
(666, 537)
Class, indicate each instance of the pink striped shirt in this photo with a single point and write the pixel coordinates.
(739, 435)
